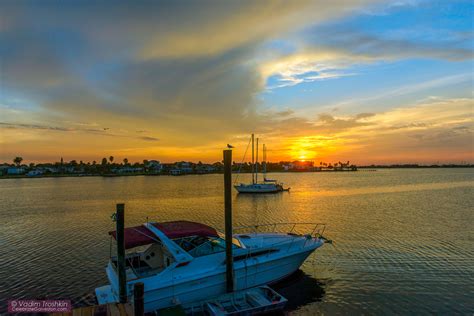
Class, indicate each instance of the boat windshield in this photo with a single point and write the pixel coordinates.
(198, 246)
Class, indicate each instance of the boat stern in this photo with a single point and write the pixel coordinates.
(108, 293)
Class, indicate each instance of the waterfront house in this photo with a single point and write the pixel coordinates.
(204, 168)
(299, 166)
(185, 167)
(3, 169)
(51, 170)
(127, 170)
(154, 166)
(15, 170)
(35, 173)
(176, 172)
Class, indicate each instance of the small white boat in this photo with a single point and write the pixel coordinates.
(184, 262)
(267, 186)
(258, 300)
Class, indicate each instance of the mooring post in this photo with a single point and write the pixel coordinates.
(228, 220)
(138, 304)
(120, 229)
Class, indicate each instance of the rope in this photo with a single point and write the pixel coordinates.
(243, 158)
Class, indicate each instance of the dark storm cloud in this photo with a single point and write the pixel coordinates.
(162, 60)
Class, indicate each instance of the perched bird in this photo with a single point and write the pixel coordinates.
(230, 146)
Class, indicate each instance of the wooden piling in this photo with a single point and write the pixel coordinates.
(138, 300)
(228, 220)
(120, 228)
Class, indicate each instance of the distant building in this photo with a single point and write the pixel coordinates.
(4, 169)
(126, 170)
(34, 173)
(52, 170)
(299, 166)
(185, 167)
(154, 166)
(205, 168)
(16, 170)
(68, 169)
(176, 172)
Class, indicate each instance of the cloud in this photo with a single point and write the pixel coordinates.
(407, 89)
(331, 52)
(166, 66)
(433, 130)
(438, 129)
(387, 8)
(364, 44)
(331, 124)
(94, 131)
(308, 66)
(188, 72)
(147, 138)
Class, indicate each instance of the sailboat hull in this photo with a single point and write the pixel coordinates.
(259, 188)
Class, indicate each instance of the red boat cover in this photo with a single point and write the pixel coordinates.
(140, 235)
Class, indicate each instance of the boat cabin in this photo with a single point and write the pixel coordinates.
(153, 247)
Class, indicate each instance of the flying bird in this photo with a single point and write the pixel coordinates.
(106, 128)
(230, 146)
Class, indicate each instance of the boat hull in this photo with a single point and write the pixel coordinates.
(259, 188)
(248, 273)
(215, 285)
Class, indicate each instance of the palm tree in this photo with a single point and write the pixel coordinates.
(111, 159)
(125, 161)
(17, 161)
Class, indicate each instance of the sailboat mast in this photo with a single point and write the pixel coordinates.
(256, 165)
(264, 162)
(253, 161)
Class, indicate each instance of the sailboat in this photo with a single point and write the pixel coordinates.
(265, 186)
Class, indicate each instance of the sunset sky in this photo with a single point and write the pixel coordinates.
(366, 81)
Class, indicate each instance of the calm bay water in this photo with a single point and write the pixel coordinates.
(404, 239)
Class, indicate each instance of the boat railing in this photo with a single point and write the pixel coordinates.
(313, 229)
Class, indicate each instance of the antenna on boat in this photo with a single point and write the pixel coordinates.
(228, 219)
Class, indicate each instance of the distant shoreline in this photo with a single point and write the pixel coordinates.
(414, 166)
(364, 168)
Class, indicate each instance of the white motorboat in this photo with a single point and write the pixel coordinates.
(183, 262)
(265, 186)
